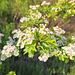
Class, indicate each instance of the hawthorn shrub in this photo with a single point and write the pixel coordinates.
(34, 37)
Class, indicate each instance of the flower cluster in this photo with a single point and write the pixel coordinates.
(36, 14)
(1, 35)
(44, 57)
(8, 51)
(46, 21)
(72, 1)
(57, 35)
(36, 37)
(24, 19)
(30, 35)
(42, 30)
(34, 7)
(17, 33)
(61, 6)
(56, 9)
(69, 11)
(45, 3)
(23, 38)
(62, 55)
(70, 50)
(58, 30)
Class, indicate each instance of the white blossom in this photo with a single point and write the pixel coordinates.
(24, 19)
(46, 21)
(29, 41)
(44, 57)
(14, 31)
(58, 30)
(16, 53)
(8, 51)
(45, 3)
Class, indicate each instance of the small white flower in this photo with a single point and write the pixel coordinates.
(14, 31)
(30, 6)
(34, 7)
(7, 51)
(3, 52)
(45, 58)
(47, 3)
(14, 36)
(1, 34)
(29, 41)
(8, 55)
(24, 19)
(42, 26)
(45, 21)
(16, 53)
(33, 30)
(40, 58)
(68, 49)
(22, 44)
(69, 11)
(31, 37)
(71, 56)
(5, 47)
(51, 32)
(55, 9)
(43, 3)
(19, 41)
(37, 5)
(24, 37)
(43, 32)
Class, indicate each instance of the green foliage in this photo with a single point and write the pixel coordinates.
(6, 11)
(37, 14)
(63, 8)
(6, 30)
(30, 49)
(11, 73)
(20, 6)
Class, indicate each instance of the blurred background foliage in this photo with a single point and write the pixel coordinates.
(10, 13)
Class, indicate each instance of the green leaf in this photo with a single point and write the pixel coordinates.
(66, 60)
(49, 15)
(30, 49)
(55, 17)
